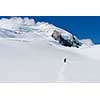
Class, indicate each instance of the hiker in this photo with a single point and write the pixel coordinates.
(64, 60)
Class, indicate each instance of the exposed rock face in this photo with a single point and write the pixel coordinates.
(56, 35)
(73, 42)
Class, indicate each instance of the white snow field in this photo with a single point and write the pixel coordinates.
(28, 53)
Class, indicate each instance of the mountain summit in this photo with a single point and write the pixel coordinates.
(17, 27)
(33, 52)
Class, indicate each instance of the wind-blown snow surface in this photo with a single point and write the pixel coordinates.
(29, 54)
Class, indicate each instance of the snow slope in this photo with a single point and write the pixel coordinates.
(29, 54)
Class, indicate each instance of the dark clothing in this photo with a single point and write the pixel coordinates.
(64, 60)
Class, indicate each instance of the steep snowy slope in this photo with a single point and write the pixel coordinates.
(42, 61)
(29, 54)
(92, 52)
(26, 29)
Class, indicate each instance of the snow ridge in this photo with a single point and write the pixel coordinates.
(28, 53)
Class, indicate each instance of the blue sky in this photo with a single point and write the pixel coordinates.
(80, 26)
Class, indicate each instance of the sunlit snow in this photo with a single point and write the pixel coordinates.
(28, 53)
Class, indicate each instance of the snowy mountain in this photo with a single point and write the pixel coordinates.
(28, 53)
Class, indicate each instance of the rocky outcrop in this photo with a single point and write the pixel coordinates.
(72, 42)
